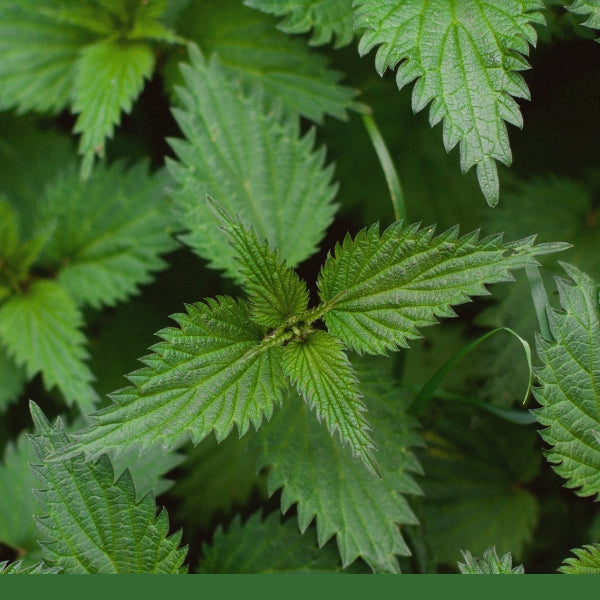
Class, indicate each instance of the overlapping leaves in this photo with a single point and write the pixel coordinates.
(465, 57)
(91, 55)
(326, 482)
(91, 242)
(250, 47)
(266, 546)
(326, 19)
(249, 158)
(228, 362)
(92, 523)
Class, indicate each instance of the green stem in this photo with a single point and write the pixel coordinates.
(391, 176)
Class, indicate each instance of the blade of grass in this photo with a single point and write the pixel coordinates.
(429, 390)
(391, 175)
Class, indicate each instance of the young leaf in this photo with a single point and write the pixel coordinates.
(250, 48)
(92, 523)
(212, 372)
(325, 379)
(268, 546)
(326, 482)
(40, 329)
(110, 76)
(569, 384)
(489, 564)
(17, 568)
(253, 162)
(110, 231)
(275, 291)
(379, 288)
(585, 562)
(325, 18)
(465, 57)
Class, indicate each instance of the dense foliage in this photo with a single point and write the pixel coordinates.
(244, 167)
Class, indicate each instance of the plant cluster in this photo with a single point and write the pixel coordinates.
(309, 408)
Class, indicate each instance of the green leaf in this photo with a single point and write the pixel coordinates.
(326, 18)
(148, 469)
(475, 490)
(325, 379)
(489, 564)
(266, 546)
(110, 76)
(212, 372)
(275, 291)
(326, 481)
(17, 568)
(13, 380)
(378, 289)
(110, 231)
(253, 162)
(41, 331)
(93, 523)
(229, 466)
(17, 502)
(588, 8)
(465, 57)
(586, 561)
(17, 482)
(569, 384)
(38, 54)
(251, 48)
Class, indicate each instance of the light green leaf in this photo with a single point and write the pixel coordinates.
(588, 8)
(110, 76)
(326, 481)
(17, 568)
(378, 289)
(110, 231)
(266, 546)
(212, 372)
(326, 381)
(38, 54)
(17, 502)
(229, 466)
(253, 162)
(465, 57)
(586, 561)
(475, 490)
(489, 564)
(325, 18)
(41, 331)
(17, 482)
(92, 523)
(251, 48)
(569, 384)
(275, 291)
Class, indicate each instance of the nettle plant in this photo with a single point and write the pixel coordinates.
(295, 419)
